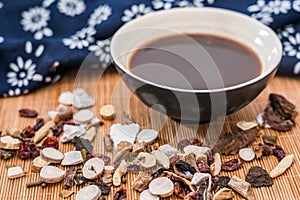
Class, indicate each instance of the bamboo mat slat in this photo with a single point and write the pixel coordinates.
(109, 89)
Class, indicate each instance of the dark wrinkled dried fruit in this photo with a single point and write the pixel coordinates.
(270, 140)
(210, 157)
(69, 180)
(6, 154)
(28, 149)
(38, 124)
(28, 132)
(258, 177)
(81, 143)
(220, 182)
(105, 158)
(120, 194)
(283, 107)
(231, 143)
(184, 169)
(105, 189)
(28, 113)
(231, 165)
(57, 130)
(50, 141)
(278, 152)
(203, 167)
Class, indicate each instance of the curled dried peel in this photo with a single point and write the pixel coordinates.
(282, 166)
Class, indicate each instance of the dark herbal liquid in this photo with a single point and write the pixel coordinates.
(195, 61)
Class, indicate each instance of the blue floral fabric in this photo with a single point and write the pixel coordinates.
(39, 40)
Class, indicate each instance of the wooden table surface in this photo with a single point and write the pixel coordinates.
(109, 89)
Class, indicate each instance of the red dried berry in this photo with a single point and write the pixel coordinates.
(28, 132)
(50, 141)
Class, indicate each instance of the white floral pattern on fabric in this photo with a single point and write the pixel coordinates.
(195, 3)
(99, 15)
(135, 11)
(47, 3)
(102, 50)
(24, 71)
(163, 4)
(36, 20)
(1, 5)
(1, 39)
(81, 38)
(71, 7)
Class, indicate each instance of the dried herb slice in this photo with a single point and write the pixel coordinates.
(231, 165)
(258, 177)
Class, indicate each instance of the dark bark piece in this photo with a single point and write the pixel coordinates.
(231, 165)
(283, 107)
(28, 113)
(231, 143)
(276, 121)
(79, 180)
(38, 124)
(262, 150)
(69, 180)
(193, 196)
(258, 177)
(270, 140)
(278, 152)
(120, 194)
(6, 154)
(57, 130)
(158, 173)
(180, 189)
(81, 143)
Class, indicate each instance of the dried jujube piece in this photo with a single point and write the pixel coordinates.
(278, 152)
(69, 179)
(28, 132)
(231, 165)
(29, 113)
(28, 149)
(50, 141)
(120, 194)
(203, 167)
(258, 177)
(38, 124)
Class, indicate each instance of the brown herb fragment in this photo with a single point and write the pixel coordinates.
(108, 143)
(220, 182)
(66, 193)
(192, 196)
(185, 142)
(270, 140)
(38, 124)
(105, 158)
(69, 179)
(81, 143)
(57, 130)
(29, 113)
(28, 132)
(190, 159)
(79, 180)
(64, 116)
(180, 189)
(34, 184)
(261, 150)
(231, 165)
(6, 154)
(158, 173)
(203, 167)
(258, 177)
(278, 152)
(50, 141)
(184, 169)
(120, 194)
(141, 182)
(105, 189)
(210, 157)
(231, 143)
(224, 194)
(241, 187)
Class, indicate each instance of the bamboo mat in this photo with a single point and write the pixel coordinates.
(109, 89)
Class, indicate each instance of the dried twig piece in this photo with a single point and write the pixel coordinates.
(282, 166)
(43, 131)
(241, 187)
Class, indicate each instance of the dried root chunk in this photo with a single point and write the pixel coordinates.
(52, 155)
(147, 135)
(108, 112)
(141, 182)
(162, 187)
(282, 166)
(119, 133)
(15, 172)
(161, 158)
(93, 168)
(51, 174)
(91, 192)
(66, 98)
(215, 167)
(39, 163)
(241, 187)
(66, 193)
(175, 177)
(224, 194)
(146, 195)
(168, 150)
(43, 131)
(108, 143)
(198, 151)
(83, 116)
(244, 125)
(258, 177)
(120, 171)
(72, 158)
(190, 159)
(146, 160)
(138, 147)
(9, 143)
(71, 131)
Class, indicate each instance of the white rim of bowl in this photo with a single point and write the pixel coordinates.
(204, 9)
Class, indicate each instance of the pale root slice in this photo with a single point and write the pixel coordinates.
(51, 174)
(108, 112)
(39, 163)
(168, 150)
(244, 125)
(147, 135)
(90, 134)
(15, 172)
(215, 167)
(162, 187)
(66, 98)
(146, 160)
(120, 171)
(81, 99)
(246, 154)
(52, 155)
(71, 131)
(93, 168)
(161, 158)
(43, 131)
(127, 133)
(198, 151)
(242, 187)
(9, 143)
(10, 130)
(91, 192)
(146, 195)
(282, 166)
(72, 158)
(83, 116)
